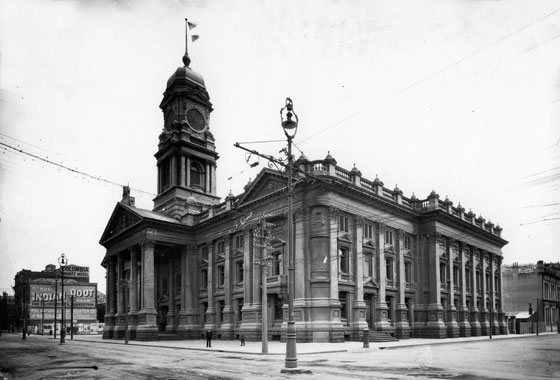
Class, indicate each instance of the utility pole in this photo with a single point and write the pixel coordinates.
(262, 241)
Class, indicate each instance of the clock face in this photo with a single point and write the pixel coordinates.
(196, 120)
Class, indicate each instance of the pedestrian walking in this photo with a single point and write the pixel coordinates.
(209, 338)
(242, 339)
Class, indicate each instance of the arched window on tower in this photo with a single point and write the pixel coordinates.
(165, 174)
(197, 175)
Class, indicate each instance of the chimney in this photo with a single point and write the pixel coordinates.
(126, 198)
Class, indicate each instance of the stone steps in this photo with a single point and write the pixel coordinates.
(379, 336)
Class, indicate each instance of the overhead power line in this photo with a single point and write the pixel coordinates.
(75, 171)
(476, 52)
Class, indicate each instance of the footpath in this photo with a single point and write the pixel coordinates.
(279, 348)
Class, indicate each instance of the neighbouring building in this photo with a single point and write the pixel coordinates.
(38, 294)
(532, 296)
(8, 314)
(365, 255)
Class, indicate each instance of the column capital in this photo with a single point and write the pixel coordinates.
(146, 244)
(359, 220)
(302, 213)
(334, 213)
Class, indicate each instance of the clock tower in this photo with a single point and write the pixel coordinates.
(186, 156)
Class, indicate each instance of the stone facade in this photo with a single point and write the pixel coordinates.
(365, 255)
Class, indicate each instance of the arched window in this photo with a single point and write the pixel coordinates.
(197, 174)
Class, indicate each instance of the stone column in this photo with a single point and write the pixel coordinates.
(228, 323)
(493, 313)
(173, 170)
(452, 326)
(119, 316)
(170, 318)
(183, 171)
(476, 328)
(249, 325)
(485, 323)
(464, 325)
(402, 325)
(381, 322)
(210, 317)
(334, 302)
(108, 329)
(359, 322)
(190, 323)
(435, 327)
(147, 327)
(133, 292)
(188, 171)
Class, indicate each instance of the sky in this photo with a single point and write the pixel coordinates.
(461, 97)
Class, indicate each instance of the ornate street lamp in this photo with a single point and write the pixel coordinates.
(62, 261)
(290, 123)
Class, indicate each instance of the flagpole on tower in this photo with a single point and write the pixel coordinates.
(186, 58)
(194, 37)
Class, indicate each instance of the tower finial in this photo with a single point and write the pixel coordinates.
(194, 37)
(186, 58)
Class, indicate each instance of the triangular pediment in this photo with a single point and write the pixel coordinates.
(390, 249)
(369, 243)
(345, 237)
(370, 283)
(122, 219)
(267, 182)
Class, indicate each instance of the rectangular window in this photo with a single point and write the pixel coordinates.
(456, 277)
(367, 265)
(276, 263)
(204, 253)
(368, 231)
(342, 299)
(343, 255)
(166, 173)
(220, 247)
(204, 279)
(343, 223)
(164, 286)
(478, 289)
(389, 268)
(468, 278)
(408, 272)
(239, 266)
(239, 242)
(389, 237)
(220, 273)
(442, 274)
(406, 242)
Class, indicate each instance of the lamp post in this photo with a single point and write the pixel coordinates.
(62, 261)
(125, 285)
(289, 121)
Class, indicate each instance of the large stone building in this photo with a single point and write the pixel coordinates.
(536, 288)
(365, 255)
(39, 298)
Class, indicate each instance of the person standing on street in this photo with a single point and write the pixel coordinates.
(209, 338)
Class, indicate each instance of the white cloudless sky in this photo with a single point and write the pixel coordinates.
(461, 97)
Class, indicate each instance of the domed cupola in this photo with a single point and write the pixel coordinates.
(186, 156)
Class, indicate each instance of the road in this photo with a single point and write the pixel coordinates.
(43, 358)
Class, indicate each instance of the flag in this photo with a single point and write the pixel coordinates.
(194, 37)
(191, 25)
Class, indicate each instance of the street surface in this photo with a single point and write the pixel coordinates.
(511, 357)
